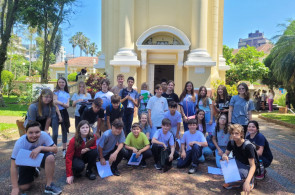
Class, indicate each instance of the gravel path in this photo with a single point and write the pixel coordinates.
(280, 178)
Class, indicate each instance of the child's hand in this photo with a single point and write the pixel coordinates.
(15, 191)
(183, 155)
(60, 118)
(210, 122)
(138, 154)
(164, 145)
(97, 135)
(70, 180)
(141, 97)
(103, 161)
(246, 187)
(225, 157)
(191, 144)
(83, 151)
(113, 158)
(220, 152)
(134, 150)
(170, 157)
(35, 152)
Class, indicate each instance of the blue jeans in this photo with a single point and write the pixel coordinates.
(210, 142)
(192, 156)
(127, 120)
(206, 152)
(217, 157)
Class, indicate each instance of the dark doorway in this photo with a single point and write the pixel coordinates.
(163, 72)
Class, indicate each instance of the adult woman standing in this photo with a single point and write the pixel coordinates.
(62, 100)
(240, 107)
(42, 110)
(79, 97)
(270, 97)
(188, 103)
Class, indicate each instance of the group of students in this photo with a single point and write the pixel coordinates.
(114, 136)
(261, 97)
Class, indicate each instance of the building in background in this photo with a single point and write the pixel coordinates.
(256, 39)
(155, 39)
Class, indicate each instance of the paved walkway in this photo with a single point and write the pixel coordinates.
(280, 178)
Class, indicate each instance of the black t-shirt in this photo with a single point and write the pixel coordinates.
(223, 105)
(114, 113)
(241, 155)
(171, 97)
(89, 115)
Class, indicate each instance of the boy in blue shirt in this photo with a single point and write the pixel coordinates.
(129, 99)
(175, 117)
(192, 143)
(162, 139)
(110, 146)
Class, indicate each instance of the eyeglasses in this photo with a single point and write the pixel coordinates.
(222, 118)
(241, 88)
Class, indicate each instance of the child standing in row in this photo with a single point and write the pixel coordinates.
(115, 110)
(137, 142)
(116, 89)
(129, 99)
(188, 103)
(78, 154)
(144, 97)
(62, 100)
(169, 94)
(157, 106)
(146, 128)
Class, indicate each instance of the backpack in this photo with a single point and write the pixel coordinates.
(256, 158)
(120, 106)
(83, 106)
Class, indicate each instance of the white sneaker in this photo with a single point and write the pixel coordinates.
(64, 153)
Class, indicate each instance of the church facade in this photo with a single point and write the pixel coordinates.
(178, 40)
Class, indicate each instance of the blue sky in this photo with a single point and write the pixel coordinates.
(240, 18)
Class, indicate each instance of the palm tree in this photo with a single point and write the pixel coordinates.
(86, 46)
(92, 49)
(80, 38)
(74, 41)
(281, 61)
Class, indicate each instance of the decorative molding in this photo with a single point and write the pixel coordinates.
(199, 57)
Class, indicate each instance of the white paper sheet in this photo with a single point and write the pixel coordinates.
(230, 171)
(133, 160)
(104, 170)
(214, 170)
(23, 159)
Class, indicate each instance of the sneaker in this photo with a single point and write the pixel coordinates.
(37, 172)
(64, 153)
(166, 168)
(90, 175)
(115, 172)
(143, 164)
(158, 166)
(52, 189)
(230, 186)
(192, 170)
(260, 177)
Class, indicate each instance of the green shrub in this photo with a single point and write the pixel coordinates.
(281, 101)
(7, 78)
(72, 76)
(22, 78)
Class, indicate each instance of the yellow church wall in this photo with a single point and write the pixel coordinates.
(199, 79)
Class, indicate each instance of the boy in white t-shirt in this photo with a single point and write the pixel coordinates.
(37, 141)
(192, 143)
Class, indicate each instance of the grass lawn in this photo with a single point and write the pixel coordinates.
(5, 126)
(13, 108)
(288, 118)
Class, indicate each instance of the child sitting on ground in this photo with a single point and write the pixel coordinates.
(192, 143)
(115, 110)
(37, 141)
(110, 146)
(94, 115)
(79, 154)
(163, 141)
(221, 137)
(244, 156)
(200, 117)
(137, 142)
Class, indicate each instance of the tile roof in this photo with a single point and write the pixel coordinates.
(266, 48)
(78, 62)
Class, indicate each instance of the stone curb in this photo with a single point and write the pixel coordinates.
(277, 121)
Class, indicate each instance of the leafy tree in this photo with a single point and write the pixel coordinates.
(246, 66)
(281, 62)
(57, 42)
(9, 9)
(228, 54)
(7, 78)
(74, 42)
(92, 49)
(46, 16)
